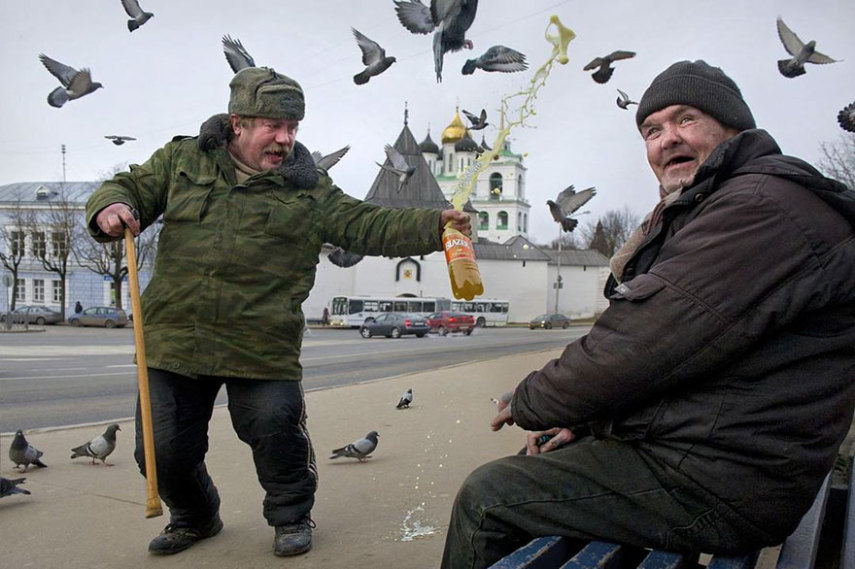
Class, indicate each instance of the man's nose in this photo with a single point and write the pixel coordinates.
(285, 135)
(670, 136)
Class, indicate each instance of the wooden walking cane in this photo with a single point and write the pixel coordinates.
(152, 504)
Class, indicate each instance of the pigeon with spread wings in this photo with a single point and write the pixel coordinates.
(568, 202)
(603, 65)
(138, 17)
(802, 52)
(236, 55)
(373, 57)
(496, 58)
(75, 84)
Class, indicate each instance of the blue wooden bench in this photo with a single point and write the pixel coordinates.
(799, 551)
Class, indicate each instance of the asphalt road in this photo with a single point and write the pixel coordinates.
(63, 376)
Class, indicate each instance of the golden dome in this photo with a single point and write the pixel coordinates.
(454, 131)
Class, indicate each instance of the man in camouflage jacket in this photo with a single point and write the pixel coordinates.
(245, 213)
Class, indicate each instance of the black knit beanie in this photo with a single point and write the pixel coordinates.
(699, 85)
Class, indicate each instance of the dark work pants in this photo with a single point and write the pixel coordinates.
(269, 416)
(588, 489)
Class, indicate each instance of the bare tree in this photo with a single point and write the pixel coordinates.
(610, 231)
(568, 241)
(52, 232)
(838, 159)
(13, 235)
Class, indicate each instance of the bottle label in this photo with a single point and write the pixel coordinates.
(457, 246)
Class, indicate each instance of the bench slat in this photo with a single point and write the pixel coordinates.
(800, 549)
(596, 555)
(540, 553)
(847, 558)
(664, 560)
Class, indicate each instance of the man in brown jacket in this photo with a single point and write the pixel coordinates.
(705, 406)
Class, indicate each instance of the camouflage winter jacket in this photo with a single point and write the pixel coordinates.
(236, 261)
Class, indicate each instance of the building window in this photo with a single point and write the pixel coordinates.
(20, 290)
(484, 220)
(56, 287)
(39, 246)
(519, 221)
(39, 290)
(495, 186)
(17, 244)
(59, 245)
(502, 220)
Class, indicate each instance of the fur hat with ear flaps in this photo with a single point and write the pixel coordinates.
(261, 92)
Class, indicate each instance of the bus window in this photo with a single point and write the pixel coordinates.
(400, 306)
(385, 306)
(355, 306)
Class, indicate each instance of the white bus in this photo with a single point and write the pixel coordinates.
(352, 311)
(487, 312)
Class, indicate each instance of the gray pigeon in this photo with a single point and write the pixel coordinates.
(568, 201)
(450, 18)
(497, 58)
(846, 118)
(22, 453)
(236, 54)
(331, 159)
(405, 400)
(373, 57)
(802, 52)
(477, 121)
(623, 100)
(484, 144)
(344, 259)
(604, 73)
(119, 140)
(75, 83)
(9, 486)
(100, 447)
(358, 449)
(398, 166)
(138, 17)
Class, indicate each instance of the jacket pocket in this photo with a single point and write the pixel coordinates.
(640, 288)
(188, 197)
(292, 218)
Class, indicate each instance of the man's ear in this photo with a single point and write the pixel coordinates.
(235, 123)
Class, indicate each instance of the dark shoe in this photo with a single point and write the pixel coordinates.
(293, 539)
(174, 539)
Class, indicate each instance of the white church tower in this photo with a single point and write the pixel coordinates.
(499, 196)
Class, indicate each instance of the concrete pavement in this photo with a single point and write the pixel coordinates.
(390, 511)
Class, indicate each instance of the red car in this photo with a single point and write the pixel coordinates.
(446, 321)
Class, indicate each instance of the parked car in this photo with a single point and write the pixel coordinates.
(446, 321)
(33, 314)
(395, 325)
(549, 321)
(107, 316)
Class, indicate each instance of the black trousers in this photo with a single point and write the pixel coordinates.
(269, 416)
(589, 489)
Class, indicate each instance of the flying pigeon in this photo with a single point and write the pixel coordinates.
(138, 17)
(75, 83)
(497, 58)
(802, 52)
(450, 19)
(406, 399)
(398, 166)
(846, 118)
(236, 54)
(9, 486)
(331, 159)
(100, 447)
(484, 144)
(568, 202)
(478, 122)
(342, 258)
(604, 73)
(373, 57)
(119, 140)
(623, 100)
(358, 449)
(23, 453)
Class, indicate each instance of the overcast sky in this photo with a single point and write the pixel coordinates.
(170, 75)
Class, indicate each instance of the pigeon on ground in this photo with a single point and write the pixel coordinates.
(331, 159)
(342, 258)
(450, 18)
(478, 122)
(22, 453)
(358, 449)
(846, 118)
(119, 140)
(398, 166)
(75, 83)
(9, 486)
(100, 447)
(623, 100)
(604, 73)
(568, 201)
(138, 17)
(406, 399)
(373, 57)
(497, 58)
(236, 54)
(802, 52)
